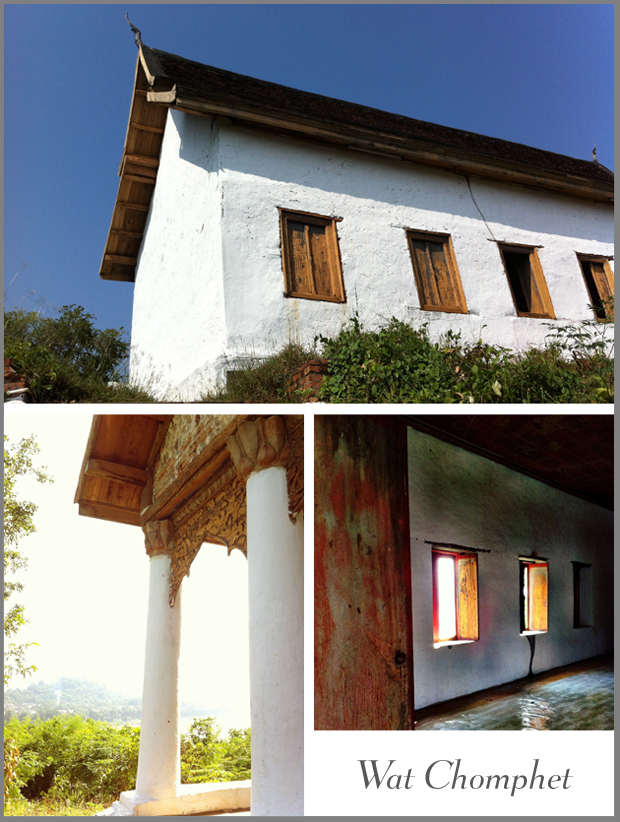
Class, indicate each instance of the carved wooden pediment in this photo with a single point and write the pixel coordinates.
(217, 511)
(208, 516)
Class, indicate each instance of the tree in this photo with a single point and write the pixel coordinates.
(66, 359)
(18, 523)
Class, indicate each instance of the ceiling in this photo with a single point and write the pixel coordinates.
(571, 452)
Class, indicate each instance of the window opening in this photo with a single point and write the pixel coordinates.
(436, 273)
(534, 596)
(527, 282)
(600, 284)
(583, 601)
(310, 257)
(455, 597)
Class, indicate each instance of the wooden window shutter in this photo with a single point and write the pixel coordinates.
(601, 274)
(310, 257)
(527, 282)
(467, 576)
(455, 596)
(537, 596)
(436, 274)
(600, 284)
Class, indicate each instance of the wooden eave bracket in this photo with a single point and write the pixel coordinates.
(164, 98)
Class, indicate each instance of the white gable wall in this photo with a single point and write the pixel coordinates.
(461, 498)
(178, 315)
(231, 273)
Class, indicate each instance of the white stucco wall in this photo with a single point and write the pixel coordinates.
(213, 245)
(460, 498)
(178, 313)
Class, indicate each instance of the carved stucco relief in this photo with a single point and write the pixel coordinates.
(207, 517)
(271, 441)
(220, 515)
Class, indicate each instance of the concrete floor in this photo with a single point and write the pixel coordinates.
(577, 697)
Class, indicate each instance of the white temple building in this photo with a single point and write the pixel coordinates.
(250, 215)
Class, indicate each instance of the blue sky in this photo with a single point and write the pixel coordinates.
(535, 74)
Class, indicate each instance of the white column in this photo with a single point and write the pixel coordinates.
(159, 764)
(275, 589)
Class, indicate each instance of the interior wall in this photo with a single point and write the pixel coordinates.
(460, 498)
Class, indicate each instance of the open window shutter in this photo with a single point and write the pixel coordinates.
(467, 580)
(601, 279)
(424, 255)
(302, 281)
(537, 596)
(529, 284)
(317, 239)
(442, 275)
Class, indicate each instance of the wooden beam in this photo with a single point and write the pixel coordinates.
(118, 276)
(164, 98)
(117, 258)
(116, 472)
(142, 160)
(134, 206)
(142, 127)
(411, 150)
(127, 233)
(150, 181)
(99, 510)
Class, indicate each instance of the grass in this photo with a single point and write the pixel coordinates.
(266, 381)
(46, 806)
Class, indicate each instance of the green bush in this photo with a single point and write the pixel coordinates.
(77, 760)
(400, 364)
(66, 359)
(72, 758)
(205, 757)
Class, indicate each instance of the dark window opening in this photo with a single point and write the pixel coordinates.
(527, 283)
(582, 590)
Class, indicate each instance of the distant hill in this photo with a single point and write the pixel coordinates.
(79, 696)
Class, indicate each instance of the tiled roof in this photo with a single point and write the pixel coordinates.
(231, 87)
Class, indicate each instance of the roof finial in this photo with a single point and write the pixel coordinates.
(594, 160)
(137, 32)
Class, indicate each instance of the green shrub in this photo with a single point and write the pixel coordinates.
(66, 359)
(72, 758)
(400, 364)
(205, 757)
(78, 761)
(264, 380)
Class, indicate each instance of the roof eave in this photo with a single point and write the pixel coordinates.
(138, 175)
(387, 145)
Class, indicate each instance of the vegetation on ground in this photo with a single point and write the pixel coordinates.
(71, 766)
(265, 379)
(18, 523)
(66, 359)
(206, 757)
(400, 364)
